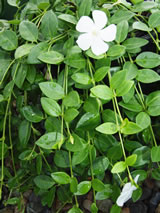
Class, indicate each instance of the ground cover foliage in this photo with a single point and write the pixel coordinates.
(73, 122)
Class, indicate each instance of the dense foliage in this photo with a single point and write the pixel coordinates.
(73, 122)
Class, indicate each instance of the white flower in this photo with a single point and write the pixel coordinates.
(126, 193)
(94, 35)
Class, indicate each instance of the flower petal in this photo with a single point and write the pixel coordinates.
(136, 178)
(123, 198)
(85, 24)
(99, 47)
(109, 33)
(127, 187)
(100, 19)
(84, 41)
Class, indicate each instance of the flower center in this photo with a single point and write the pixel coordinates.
(95, 32)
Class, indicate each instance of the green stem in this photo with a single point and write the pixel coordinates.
(6, 71)
(91, 165)
(3, 142)
(45, 160)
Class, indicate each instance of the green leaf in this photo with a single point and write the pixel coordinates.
(153, 99)
(19, 72)
(52, 90)
(148, 60)
(108, 115)
(104, 194)
(94, 208)
(23, 50)
(51, 140)
(137, 194)
(116, 50)
(115, 209)
(32, 114)
(51, 57)
(12, 201)
(5, 149)
(61, 177)
(122, 31)
(31, 74)
(51, 107)
(143, 120)
(143, 156)
(125, 87)
(102, 92)
(118, 79)
(24, 133)
(147, 76)
(132, 105)
(44, 182)
(81, 78)
(13, 3)
(98, 185)
(88, 121)
(8, 89)
(130, 128)
(84, 8)
(27, 155)
(83, 187)
(8, 40)
(49, 25)
(28, 30)
(121, 15)
(138, 25)
(144, 6)
(100, 164)
(131, 70)
(155, 154)
(79, 156)
(78, 144)
(36, 51)
(71, 99)
(154, 19)
(73, 185)
(119, 167)
(39, 164)
(68, 18)
(101, 73)
(75, 210)
(75, 60)
(131, 160)
(133, 43)
(61, 159)
(107, 128)
(142, 173)
(70, 114)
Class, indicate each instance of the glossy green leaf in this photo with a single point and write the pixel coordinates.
(79, 156)
(154, 19)
(132, 43)
(122, 31)
(52, 90)
(23, 50)
(75, 209)
(84, 8)
(125, 87)
(148, 59)
(142, 173)
(118, 79)
(51, 140)
(32, 114)
(71, 99)
(24, 133)
(116, 50)
(119, 167)
(73, 185)
(147, 76)
(51, 57)
(97, 185)
(107, 128)
(104, 194)
(100, 164)
(70, 114)
(138, 25)
(143, 120)
(61, 159)
(83, 187)
(28, 30)
(144, 6)
(61, 177)
(94, 208)
(8, 40)
(27, 155)
(132, 105)
(131, 70)
(49, 25)
(130, 128)
(143, 156)
(68, 18)
(102, 92)
(44, 182)
(155, 154)
(121, 15)
(101, 73)
(81, 78)
(130, 160)
(51, 107)
(75, 60)
(19, 73)
(77, 145)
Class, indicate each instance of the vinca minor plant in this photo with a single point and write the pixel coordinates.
(79, 101)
